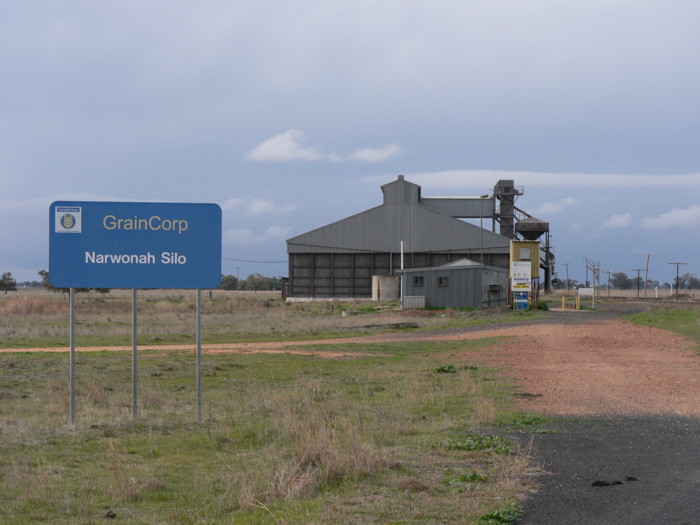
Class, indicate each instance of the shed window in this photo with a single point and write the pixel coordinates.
(417, 280)
(443, 281)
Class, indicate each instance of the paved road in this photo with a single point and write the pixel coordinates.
(661, 453)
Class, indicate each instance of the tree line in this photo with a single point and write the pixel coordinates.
(254, 282)
(621, 281)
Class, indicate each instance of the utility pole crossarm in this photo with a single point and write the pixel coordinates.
(608, 272)
(678, 280)
(639, 278)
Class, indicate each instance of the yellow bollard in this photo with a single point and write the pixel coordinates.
(563, 302)
(578, 302)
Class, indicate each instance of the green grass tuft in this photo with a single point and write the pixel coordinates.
(508, 514)
(479, 443)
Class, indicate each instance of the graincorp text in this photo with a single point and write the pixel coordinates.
(155, 223)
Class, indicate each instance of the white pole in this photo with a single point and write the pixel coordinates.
(402, 277)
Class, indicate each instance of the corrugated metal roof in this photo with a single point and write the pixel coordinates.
(400, 218)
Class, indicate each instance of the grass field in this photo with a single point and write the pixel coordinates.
(36, 319)
(681, 320)
(389, 433)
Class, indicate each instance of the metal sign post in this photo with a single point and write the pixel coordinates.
(134, 365)
(134, 245)
(198, 318)
(72, 356)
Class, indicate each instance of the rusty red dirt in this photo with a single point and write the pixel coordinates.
(603, 368)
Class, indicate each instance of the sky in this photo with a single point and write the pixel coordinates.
(291, 115)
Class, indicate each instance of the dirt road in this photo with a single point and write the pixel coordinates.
(590, 367)
(607, 368)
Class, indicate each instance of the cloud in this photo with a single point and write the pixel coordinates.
(284, 147)
(231, 203)
(618, 221)
(275, 232)
(470, 179)
(289, 146)
(246, 236)
(374, 155)
(676, 218)
(550, 208)
(258, 206)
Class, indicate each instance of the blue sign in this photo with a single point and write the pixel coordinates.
(134, 245)
(521, 300)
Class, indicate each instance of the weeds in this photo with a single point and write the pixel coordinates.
(286, 438)
(479, 443)
(508, 514)
(520, 419)
(464, 479)
(452, 369)
(445, 369)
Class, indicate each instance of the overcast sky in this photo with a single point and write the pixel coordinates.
(290, 115)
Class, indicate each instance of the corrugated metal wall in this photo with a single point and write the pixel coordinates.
(458, 287)
(350, 274)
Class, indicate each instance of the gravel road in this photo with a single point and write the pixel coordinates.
(624, 444)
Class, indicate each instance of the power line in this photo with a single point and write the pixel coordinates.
(678, 281)
(259, 262)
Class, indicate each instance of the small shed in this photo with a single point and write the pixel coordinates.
(459, 284)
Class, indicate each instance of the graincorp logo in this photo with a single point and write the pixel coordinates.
(68, 219)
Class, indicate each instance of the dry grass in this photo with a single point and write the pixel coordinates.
(289, 436)
(125, 486)
(161, 313)
(311, 445)
(26, 305)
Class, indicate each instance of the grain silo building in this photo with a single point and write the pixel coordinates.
(359, 256)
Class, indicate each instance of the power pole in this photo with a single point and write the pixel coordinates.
(678, 280)
(595, 270)
(639, 278)
(608, 272)
(646, 276)
(567, 275)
